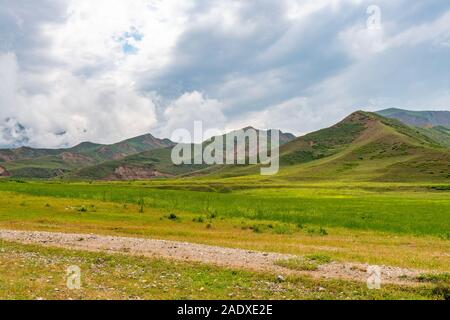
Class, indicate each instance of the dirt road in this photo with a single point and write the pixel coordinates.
(225, 257)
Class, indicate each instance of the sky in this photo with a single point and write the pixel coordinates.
(107, 70)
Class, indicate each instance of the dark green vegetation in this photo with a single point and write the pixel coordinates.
(405, 209)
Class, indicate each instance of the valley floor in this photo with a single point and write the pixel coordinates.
(321, 238)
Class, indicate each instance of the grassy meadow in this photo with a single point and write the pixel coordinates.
(404, 225)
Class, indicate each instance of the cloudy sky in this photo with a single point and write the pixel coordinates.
(106, 70)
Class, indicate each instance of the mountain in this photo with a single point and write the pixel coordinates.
(434, 124)
(153, 164)
(47, 163)
(3, 172)
(366, 146)
(362, 147)
(418, 118)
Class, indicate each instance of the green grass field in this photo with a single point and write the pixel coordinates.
(397, 224)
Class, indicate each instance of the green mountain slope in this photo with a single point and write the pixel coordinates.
(366, 146)
(48, 163)
(151, 164)
(433, 124)
(440, 134)
(362, 147)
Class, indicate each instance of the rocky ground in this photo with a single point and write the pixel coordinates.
(226, 257)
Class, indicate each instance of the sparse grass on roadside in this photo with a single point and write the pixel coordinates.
(441, 282)
(435, 277)
(306, 263)
(34, 272)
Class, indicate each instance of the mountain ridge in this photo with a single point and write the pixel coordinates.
(434, 124)
(418, 118)
(362, 146)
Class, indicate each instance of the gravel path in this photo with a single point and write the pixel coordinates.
(182, 251)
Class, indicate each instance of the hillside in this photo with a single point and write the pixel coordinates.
(47, 163)
(366, 146)
(362, 147)
(152, 164)
(433, 124)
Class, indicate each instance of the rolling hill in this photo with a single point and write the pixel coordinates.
(363, 147)
(152, 164)
(47, 163)
(366, 146)
(434, 124)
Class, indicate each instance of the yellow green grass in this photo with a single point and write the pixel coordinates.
(401, 225)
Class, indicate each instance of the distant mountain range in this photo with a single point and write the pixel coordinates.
(418, 118)
(434, 124)
(91, 160)
(364, 146)
(47, 163)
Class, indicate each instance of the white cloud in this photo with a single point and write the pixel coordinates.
(191, 107)
(83, 109)
(106, 70)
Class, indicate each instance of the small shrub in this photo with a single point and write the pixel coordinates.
(172, 217)
(442, 290)
(199, 220)
(321, 231)
(212, 215)
(257, 228)
(141, 205)
(82, 209)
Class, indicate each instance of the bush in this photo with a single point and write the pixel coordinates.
(172, 217)
(199, 220)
